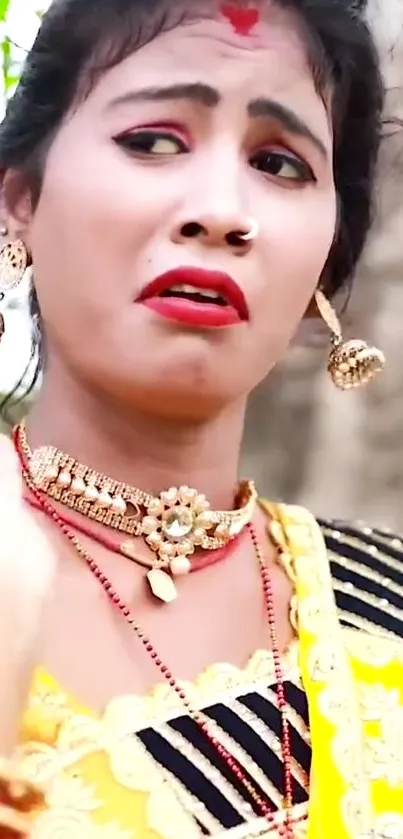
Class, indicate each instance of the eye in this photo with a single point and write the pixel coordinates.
(152, 143)
(280, 165)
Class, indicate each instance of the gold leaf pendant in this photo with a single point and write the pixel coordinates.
(162, 585)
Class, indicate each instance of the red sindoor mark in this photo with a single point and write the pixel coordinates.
(242, 19)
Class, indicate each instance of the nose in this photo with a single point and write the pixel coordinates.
(213, 211)
(218, 229)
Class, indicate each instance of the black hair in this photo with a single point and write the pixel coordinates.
(80, 39)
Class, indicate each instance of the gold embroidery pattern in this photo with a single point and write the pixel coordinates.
(389, 826)
(367, 626)
(72, 737)
(300, 831)
(217, 683)
(383, 750)
(71, 802)
(258, 829)
(373, 650)
(328, 666)
(64, 824)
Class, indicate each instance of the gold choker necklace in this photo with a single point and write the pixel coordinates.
(173, 524)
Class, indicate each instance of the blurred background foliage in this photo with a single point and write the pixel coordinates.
(19, 21)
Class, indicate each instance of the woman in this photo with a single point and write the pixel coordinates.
(183, 182)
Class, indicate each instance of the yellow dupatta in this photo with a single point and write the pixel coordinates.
(354, 686)
(353, 681)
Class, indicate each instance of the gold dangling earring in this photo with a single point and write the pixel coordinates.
(13, 264)
(351, 363)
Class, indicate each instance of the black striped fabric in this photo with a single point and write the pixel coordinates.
(367, 571)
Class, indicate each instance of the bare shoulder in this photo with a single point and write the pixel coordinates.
(367, 571)
(26, 570)
(26, 559)
(10, 480)
(20, 534)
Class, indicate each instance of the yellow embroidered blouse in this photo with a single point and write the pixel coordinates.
(143, 771)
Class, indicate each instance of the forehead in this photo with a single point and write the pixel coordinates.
(271, 59)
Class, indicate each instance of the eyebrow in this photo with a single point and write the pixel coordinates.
(209, 97)
(263, 107)
(197, 92)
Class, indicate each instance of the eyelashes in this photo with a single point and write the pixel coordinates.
(282, 165)
(154, 143)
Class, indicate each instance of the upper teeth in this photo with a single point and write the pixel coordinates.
(191, 289)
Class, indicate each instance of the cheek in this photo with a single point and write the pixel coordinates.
(86, 199)
(298, 236)
(90, 228)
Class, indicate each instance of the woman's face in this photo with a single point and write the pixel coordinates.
(189, 139)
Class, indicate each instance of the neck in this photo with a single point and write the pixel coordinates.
(142, 450)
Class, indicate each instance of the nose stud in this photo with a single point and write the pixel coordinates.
(251, 234)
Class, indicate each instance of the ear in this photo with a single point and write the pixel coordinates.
(17, 206)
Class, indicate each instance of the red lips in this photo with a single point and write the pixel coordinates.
(193, 309)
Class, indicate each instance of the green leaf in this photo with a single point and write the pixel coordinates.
(4, 7)
(9, 67)
(11, 82)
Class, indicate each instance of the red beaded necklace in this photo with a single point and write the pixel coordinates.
(206, 725)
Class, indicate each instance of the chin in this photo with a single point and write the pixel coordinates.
(181, 379)
(179, 398)
(185, 400)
